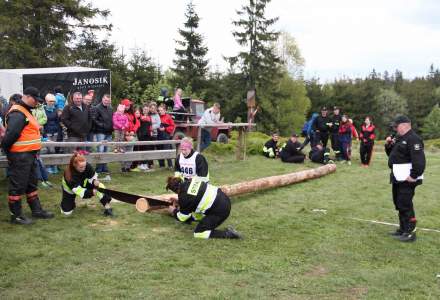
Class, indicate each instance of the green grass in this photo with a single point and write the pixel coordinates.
(289, 251)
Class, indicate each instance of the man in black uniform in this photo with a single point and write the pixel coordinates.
(21, 143)
(336, 121)
(407, 162)
(291, 151)
(321, 127)
(201, 201)
(270, 148)
(319, 154)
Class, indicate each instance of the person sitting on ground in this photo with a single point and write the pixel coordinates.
(201, 201)
(80, 179)
(291, 151)
(190, 163)
(271, 149)
(320, 155)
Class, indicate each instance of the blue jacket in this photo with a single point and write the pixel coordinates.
(53, 121)
(308, 128)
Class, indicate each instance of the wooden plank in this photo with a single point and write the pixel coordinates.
(96, 157)
(122, 144)
(199, 138)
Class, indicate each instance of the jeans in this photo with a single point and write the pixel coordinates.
(206, 139)
(102, 168)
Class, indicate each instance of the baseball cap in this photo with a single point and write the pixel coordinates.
(34, 93)
(126, 102)
(401, 119)
(294, 134)
(324, 108)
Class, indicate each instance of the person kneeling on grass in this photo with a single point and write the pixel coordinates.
(201, 201)
(291, 151)
(271, 149)
(81, 180)
(320, 155)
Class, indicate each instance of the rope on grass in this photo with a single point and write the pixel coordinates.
(392, 224)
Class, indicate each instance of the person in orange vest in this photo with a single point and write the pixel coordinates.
(21, 143)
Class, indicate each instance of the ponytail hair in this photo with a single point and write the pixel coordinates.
(173, 183)
(74, 160)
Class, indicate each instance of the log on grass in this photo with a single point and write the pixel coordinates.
(268, 182)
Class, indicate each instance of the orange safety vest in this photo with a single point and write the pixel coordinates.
(30, 139)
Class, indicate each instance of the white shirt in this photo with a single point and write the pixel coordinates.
(209, 117)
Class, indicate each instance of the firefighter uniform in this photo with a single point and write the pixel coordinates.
(203, 202)
(82, 185)
(270, 149)
(21, 143)
(320, 155)
(336, 147)
(406, 149)
(291, 152)
(194, 164)
(321, 127)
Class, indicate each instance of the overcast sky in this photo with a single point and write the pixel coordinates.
(339, 37)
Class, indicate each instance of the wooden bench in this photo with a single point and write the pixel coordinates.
(106, 157)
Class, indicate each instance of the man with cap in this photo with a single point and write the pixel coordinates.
(406, 159)
(21, 143)
(291, 151)
(334, 139)
(321, 127)
(190, 163)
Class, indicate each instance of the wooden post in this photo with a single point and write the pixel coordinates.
(239, 149)
(199, 137)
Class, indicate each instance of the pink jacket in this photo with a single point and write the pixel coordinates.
(120, 121)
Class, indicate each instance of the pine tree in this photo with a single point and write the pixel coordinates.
(39, 33)
(260, 62)
(191, 65)
(431, 126)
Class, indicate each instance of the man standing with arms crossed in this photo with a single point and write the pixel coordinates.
(22, 142)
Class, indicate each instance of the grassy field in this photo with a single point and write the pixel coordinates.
(289, 251)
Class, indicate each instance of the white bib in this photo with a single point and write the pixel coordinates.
(188, 165)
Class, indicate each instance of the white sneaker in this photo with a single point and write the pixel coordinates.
(106, 178)
(349, 163)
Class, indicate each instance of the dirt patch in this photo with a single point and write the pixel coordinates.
(105, 223)
(355, 293)
(317, 271)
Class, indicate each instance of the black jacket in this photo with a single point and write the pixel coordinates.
(321, 124)
(408, 148)
(78, 121)
(82, 183)
(201, 164)
(336, 121)
(15, 122)
(102, 119)
(291, 149)
(319, 155)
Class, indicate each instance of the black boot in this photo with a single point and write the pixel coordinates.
(17, 216)
(108, 212)
(410, 232)
(37, 211)
(231, 233)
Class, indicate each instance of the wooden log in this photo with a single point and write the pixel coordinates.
(268, 182)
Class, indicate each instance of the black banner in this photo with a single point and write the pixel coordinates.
(70, 82)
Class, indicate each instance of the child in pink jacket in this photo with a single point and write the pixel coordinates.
(120, 124)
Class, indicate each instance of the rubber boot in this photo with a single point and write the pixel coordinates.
(231, 233)
(108, 212)
(37, 211)
(17, 216)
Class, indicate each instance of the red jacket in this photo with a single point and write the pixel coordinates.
(367, 134)
(133, 123)
(168, 120)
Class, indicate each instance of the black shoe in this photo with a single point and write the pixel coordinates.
(37, 211)
(408, 237)
(21, 220)
(108, 212)
(396, 233)
(231, 233)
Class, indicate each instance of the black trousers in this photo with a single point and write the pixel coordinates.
(293, 158)
(321, 137)
(22, 170)
(68, 201)
(403, 193)
(366, 151)
(336, 145)
(215, 216)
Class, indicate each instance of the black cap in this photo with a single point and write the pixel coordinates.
(34, 93)
(335, 107)
(324, 108)
(401, 119)
(294, 134)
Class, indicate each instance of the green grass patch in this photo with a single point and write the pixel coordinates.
(289, 251)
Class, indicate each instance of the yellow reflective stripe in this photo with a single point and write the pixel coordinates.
(203, 234)
(80, 191)
(194, 186)
(66, 188)
(36, 141)
(197, 216)
(207, 199)
(179, 174)
(182, 217)
(101, 185)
